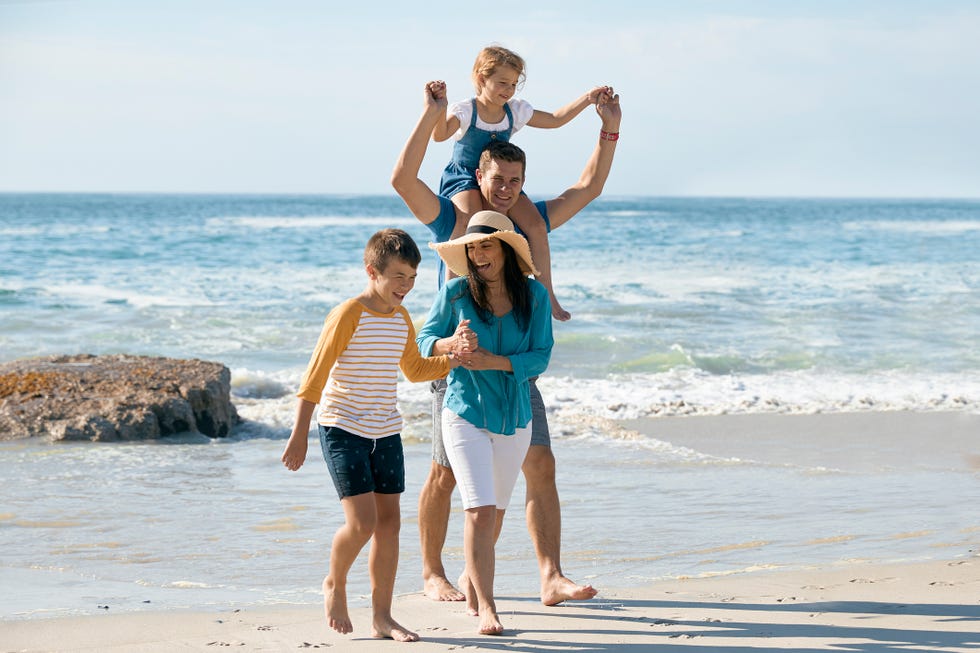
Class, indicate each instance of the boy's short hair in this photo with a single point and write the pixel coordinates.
(388, 244)
(503, 151)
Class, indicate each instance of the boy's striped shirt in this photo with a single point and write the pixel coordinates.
(353, 373)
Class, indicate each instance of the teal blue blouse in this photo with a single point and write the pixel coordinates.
(497, 401)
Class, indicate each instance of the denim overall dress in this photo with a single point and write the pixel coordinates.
(460, 174)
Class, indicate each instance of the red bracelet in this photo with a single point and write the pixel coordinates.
(608, 136)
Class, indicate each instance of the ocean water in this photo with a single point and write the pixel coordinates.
(682, 308)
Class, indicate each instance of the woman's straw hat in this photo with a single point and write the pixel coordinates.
(483, 225)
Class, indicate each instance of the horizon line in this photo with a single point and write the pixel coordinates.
(395, 195)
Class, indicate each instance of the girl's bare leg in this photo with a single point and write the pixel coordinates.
(467, 203)
(526, 216)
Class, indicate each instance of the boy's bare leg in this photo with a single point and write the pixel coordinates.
(383, 564)
(526, 216)
(478, 543)
(360, 518)
(435, 504)
(543, 513)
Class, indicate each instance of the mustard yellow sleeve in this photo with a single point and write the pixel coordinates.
(337, 331)
(414, 365)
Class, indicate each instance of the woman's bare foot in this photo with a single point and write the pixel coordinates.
(438, 588)
(388, 628)
(335, 607)
(558, 312)
(561, 589)
(472, 604)
(490, 624)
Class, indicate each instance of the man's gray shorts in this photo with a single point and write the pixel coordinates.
(539, 420)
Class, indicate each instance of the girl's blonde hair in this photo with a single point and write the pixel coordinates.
(494, 57)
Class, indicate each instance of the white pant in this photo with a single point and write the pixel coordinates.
(485, 464)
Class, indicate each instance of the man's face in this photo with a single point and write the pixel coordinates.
(500, 184)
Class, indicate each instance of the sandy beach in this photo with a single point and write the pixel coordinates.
(932, 606)
(737, 596)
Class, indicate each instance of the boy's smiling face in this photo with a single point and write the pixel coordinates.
(389, 288)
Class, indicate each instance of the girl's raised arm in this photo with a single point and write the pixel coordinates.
(443, 129)
(546, 120)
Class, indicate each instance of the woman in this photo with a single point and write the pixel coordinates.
(487, 410)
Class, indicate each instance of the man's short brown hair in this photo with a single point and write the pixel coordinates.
(503, 151)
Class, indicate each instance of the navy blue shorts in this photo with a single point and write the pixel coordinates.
(359, 465)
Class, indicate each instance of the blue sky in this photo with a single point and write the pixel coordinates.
(763, 98)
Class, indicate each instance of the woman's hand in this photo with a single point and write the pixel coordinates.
(465, 339)
(482, 359)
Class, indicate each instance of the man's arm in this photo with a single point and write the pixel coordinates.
(562, 208)
(421, 201)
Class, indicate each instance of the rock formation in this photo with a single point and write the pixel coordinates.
(111, 398)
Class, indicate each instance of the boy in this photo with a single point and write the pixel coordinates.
(353, 375)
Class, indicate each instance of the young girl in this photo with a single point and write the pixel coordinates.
(495, 114)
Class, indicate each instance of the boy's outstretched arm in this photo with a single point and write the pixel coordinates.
(593, 178)
(552, 120)
(421, 201)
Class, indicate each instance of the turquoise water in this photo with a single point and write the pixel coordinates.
(753, 288)
(680, 307)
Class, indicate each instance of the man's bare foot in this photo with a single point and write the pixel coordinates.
(438, 588)
(472, 604)
(335, 607)
(561, 589)
(490, 624)
(558, 312)
(391, 629)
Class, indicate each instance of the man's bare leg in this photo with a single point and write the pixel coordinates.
(435, 504)
(543, 510)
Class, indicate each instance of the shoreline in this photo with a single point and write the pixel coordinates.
(932, 605)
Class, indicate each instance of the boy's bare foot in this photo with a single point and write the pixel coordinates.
(558, 312)
(335, 607)
(560, 589)
(490, 624)
(390, 629)
(472, 604)
(438, 588)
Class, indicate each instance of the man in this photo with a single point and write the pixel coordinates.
(501, 178)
